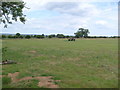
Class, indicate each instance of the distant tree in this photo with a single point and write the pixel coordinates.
(12, 11)
(53, 35)
(67, 36)
(79, 33)
(3, 36)
(82, 33)
(21, 36)
(31, 36)
(27, 37)
(35, 36)
(10, 36)
(15, 36)
(43, 35)
(60, 36)
(39, 36)
(18, 34)
(86, 31)
(49, 36)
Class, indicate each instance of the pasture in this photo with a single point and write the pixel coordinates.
(85, 63)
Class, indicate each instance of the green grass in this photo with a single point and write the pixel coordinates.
(6, 80)
(26, 84)
(85, 63)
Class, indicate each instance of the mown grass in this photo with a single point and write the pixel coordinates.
(85, 63)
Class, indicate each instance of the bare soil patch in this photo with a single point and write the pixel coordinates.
(13, 76)
(33, 51)
(2, 76)
(44, 81)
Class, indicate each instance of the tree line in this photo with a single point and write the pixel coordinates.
(20, 36)
(81, 33)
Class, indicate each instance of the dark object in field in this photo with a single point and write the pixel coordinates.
(71, 39)
(8, 62)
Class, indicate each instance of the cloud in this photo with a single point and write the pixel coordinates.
(39, 4)
(73, 8)
(98, 18)
(101, 22)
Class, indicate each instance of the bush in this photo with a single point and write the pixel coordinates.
(15, 36)
(60, 36)
(27, 37)
(49, 36)
(40, 36)
(21, 36)
(67, 36)
(53, 35)
(10, 36)
(3, 36)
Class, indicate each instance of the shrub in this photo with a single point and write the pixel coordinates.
(39, 36)
(3, 36)
(21, 36)
(10, 36)
(60, 36)
(27, 37)
(49, 36)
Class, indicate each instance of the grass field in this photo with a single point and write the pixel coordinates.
(85, 63)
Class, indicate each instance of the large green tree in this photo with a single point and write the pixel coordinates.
(11, 11)
(82, 33)
(86, 32)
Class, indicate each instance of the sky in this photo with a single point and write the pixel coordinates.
(66, 17)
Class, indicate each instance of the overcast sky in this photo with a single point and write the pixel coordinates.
(65, 17)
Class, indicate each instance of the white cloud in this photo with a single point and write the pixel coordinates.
(101, 22)
(72, 15)
(73, 8)
(38, 4)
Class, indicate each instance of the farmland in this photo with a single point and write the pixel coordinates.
(85, 63)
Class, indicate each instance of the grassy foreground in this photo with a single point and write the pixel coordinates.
(85, 63)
